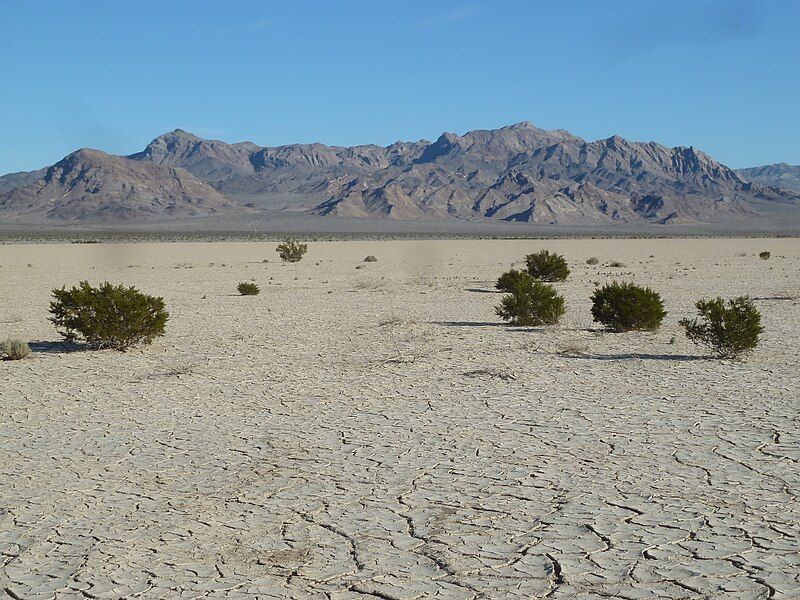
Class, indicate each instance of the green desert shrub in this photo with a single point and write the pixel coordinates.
(109, 316)
(247, 288)
(531, 303)
(547, 266)
(764, 255)
(728, 328)
(615, 264)
(15, 349)
(592, 260)
(627, 307)
(507, 281)
(291, 250)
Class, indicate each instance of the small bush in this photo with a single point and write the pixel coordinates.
(547, 266)
(729, 329)
(291, 250)
(370, 258)
(627, 307)
(615, 264)
(531, 303)
(592, 260)
(109, 316)
(764, 255)
(15, 349)
(507, 281)
(247, 288)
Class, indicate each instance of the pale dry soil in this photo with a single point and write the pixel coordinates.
(378, 433)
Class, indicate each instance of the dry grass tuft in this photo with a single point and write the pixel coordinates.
(395, 321)
(573, 349)
(15, 349)
(503, 374)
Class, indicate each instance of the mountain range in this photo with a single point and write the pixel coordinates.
(518, 173)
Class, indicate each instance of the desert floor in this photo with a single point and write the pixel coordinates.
(378, 433)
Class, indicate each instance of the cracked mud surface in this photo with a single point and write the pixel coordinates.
(375, 433)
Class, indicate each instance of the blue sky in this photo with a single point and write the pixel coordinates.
(721, 75)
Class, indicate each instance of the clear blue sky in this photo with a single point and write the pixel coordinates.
(721, 75)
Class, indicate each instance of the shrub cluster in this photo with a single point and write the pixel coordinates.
(627, 307)
(109, 316)
(247, 288)
(547, 266)
(531, 303)
(764, 255)
(728, 328)
(291, 250)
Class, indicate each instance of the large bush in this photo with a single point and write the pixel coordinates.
(729, 329)
(109, 316)
(547, 266)
(291, 250)
(627, 307)
(507, 281)
(531, 303)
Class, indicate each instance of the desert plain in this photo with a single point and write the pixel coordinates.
(378, 432)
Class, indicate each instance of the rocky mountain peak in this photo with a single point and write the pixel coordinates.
(521, 126)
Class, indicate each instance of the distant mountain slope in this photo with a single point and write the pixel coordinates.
(516, 173)
(780, 175)
(21, 179)
(92, 186)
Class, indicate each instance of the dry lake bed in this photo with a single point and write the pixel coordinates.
(376, 432)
